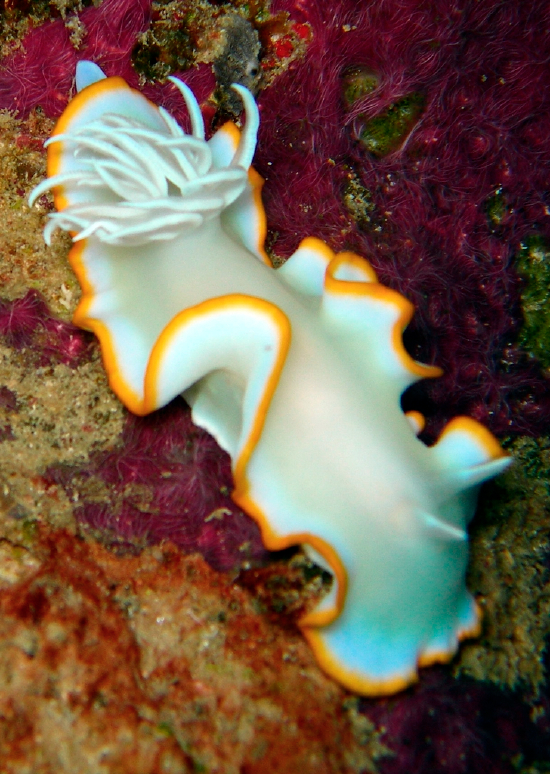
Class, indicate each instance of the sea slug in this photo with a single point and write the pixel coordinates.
(297, 372)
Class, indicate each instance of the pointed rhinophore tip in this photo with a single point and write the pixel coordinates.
(87, 73)
(197, 123)
(249, 135)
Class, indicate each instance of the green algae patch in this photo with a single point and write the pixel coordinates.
(359, 201)
(533, 266)
(508, 571)
(497, 209)
(387, 131)
(358, 82)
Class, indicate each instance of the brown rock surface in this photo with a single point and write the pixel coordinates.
(156, 663)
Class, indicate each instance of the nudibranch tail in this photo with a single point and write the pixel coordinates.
(298, 373)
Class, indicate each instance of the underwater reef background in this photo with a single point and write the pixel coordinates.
(143, 626)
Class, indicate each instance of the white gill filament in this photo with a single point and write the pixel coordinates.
(197, 124)
(129, 184)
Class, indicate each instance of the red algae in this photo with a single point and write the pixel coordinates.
(32, 77)
(426, 229)
(449, 727)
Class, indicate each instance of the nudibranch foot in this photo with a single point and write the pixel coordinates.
(297, 372)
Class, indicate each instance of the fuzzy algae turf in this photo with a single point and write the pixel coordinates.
(25, 263)
(533, 266)
(52, 412)
(509, 571)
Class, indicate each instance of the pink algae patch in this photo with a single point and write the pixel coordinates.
(164, 479)
(424, 213)
(26, 323)
(33, 77)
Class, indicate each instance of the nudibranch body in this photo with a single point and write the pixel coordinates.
(297, 372)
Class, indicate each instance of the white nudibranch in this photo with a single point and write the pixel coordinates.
(298, 373)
